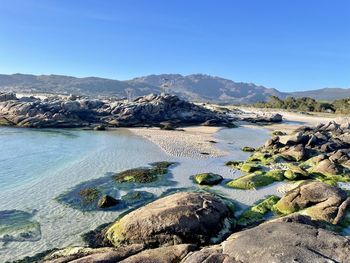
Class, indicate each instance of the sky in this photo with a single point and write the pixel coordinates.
(284, 44)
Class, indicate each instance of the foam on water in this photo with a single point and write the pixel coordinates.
(36, 166)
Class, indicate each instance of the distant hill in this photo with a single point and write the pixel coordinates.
(208, 88)
(324, 94)
(196, 87)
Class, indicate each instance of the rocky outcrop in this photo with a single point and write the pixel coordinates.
(277, 242)
(196, 218)
(151, 110)
(77, 112)
(321, 153)
(321, 201)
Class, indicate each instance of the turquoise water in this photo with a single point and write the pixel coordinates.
(36, 166)
(28, 155)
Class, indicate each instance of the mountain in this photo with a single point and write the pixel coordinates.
(197, 87)
(324, 94)
(57, 84)
(200, 87)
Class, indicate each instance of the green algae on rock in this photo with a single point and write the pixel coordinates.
(251, 181)
(89, 195)
(207, 178)
(248, 149)
(234, 164)
(295, 172)
(18, 226)
(257, 212)
(250, 167)
(316, 199)
(135, 198)
(143, 174)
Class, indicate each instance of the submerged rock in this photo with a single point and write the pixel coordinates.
(107, 201)
(187, 217)
(143, 174)
(18, 226)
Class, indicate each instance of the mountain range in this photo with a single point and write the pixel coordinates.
(196, 87)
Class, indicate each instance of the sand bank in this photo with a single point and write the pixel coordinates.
(193, 142)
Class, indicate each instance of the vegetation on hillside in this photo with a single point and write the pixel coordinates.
(306, 104)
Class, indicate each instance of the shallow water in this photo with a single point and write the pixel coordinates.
(38, 165)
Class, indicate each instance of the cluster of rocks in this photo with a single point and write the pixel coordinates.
(195, 227)
(153, 110)
(321, 152)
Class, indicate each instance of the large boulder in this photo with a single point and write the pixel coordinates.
(287, 242)
(326, 167)
(321, 201)
(277, 242)
(197, 218)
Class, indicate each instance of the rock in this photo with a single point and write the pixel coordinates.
(326, 167)
(250, 167)
(295, 172)
(207, 178)
(213, 254)
(340, 156)
(297, 138)
(276, 117)
(286, 242)
(143, 174)
(321, 201)
(251, 181)
(248, 149)
(234, 164)
(100, 128)
(297, 152)
(257, 212)
(171, 254)
(278, 133)
(96, 255)
(18, 226)
(7, 96)
(187, 217)
(107, 201)
(165, 125)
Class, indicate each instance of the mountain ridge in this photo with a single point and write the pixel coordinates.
(195, 87)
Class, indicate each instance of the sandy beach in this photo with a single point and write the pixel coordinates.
(195, 142)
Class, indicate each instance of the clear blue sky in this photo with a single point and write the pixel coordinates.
(283, 44)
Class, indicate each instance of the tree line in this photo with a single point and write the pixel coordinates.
(306, 104)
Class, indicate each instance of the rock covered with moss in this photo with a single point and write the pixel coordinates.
(318, 200)
(186, 217)
(257, 212)
(321, 153)
(207, 178)
(143, 174)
